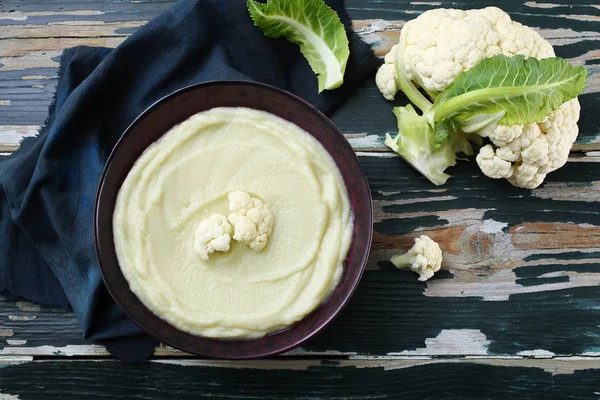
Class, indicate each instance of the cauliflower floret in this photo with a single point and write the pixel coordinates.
(424, 258)
(386, 75)
(494, 166)
(441, 43)
(251, 219)
(536, 149)
(503, 134)
(213, 234)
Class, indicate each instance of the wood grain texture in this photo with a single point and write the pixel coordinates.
(511, 275)
(520, 278)
(35, 33)
(305, 379)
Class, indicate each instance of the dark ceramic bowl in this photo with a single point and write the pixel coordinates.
(179, 106)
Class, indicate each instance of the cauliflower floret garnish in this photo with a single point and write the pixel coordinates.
(213, 234)
(252, 220)
(424, 258)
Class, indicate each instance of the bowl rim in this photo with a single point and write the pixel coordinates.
(297, 341)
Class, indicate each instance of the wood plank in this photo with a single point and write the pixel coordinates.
(305, 379)
(70, 28)
(354, 117)
(12, 135)
(33, 45)
(502, 285)
(567, 13)
(517, 279)
(40, 12)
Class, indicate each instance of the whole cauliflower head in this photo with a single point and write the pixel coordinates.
(252, 220)
(525, 154)
(424, 258)
(437, 46)
(441, 43)
(213, 234)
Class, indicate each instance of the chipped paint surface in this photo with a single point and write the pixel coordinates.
(6, 332)
(30, 77)
(69, 350)
(483, 260)
(14, 342)
(299, 351)
(367, 26)
(581, 17)
(296, 365)
(28, 306)
(565, 36)
(381, 33)
(21, 317)
(491, 226)
(590, 157)
(6, 396)
(502, 284)
(364, 141)
(33, 59)
(12, 135)
(553, 366)
(376, 155)
(588, 191)
(535, 4)
(161, 351)
(426, 3)
(22, 16)
(536, 353)
(452, 342)
(402, 201)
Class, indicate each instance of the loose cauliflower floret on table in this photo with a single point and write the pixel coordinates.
(213, 234)
(252, 220)
(424, 258)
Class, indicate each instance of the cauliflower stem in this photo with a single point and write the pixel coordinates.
(415, 143)
(406, 85)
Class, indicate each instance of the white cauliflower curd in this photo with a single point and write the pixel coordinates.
(436, 48)
(424, 258)
(250, 223)
(441, 43)
(213, 234)
(252, 220)
(529, 152)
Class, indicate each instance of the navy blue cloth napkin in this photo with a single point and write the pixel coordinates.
(48, 187)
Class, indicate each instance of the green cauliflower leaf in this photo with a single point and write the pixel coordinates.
(498, 91)
(315, 27)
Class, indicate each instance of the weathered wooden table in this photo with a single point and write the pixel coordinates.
(514, 313)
